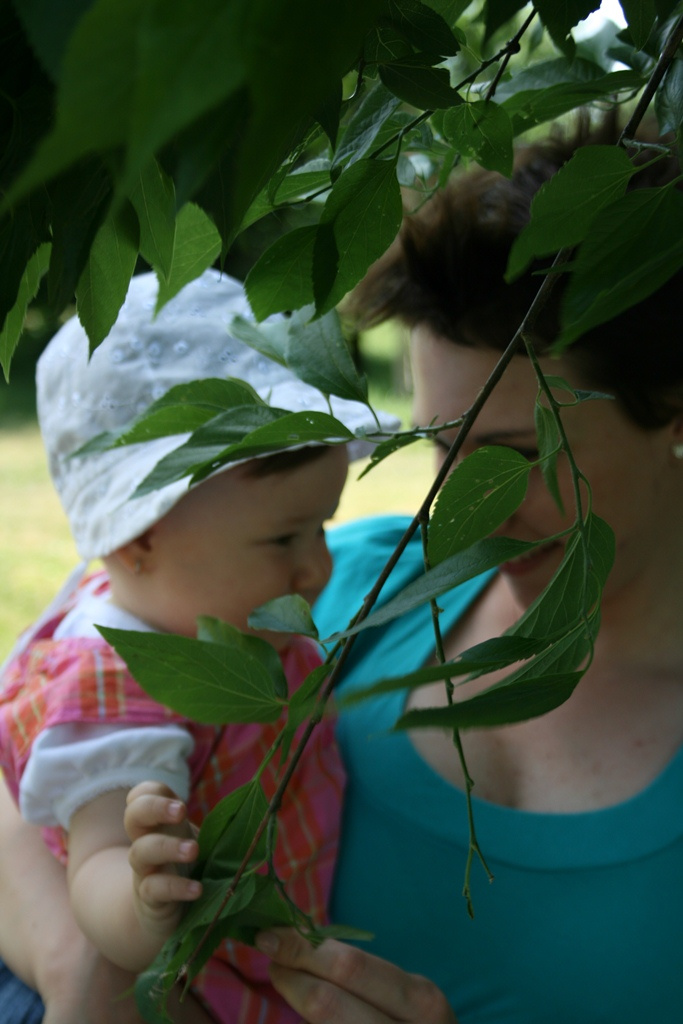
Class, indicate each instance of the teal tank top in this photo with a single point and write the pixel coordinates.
(583, 923)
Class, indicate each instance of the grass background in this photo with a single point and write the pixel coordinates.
(36, 550)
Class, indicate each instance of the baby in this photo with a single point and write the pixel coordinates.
(78, 737)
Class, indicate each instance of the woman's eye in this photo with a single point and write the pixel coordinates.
(284, 541)
(531, 454)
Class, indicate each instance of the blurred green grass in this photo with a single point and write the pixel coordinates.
(36, 550)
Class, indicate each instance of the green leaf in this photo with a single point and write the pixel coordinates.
(564, 206)
(640, 16)
(386, 448)
(197, 246)
(22, 231)
(201, 912)
(422, 26)
(269, 339)
(221, 434)
(303, 703)
(191, 930)
(541, 105)
(304, 698)
(548, 438)
(289, 430)
(153, 198)
(483, 131)
(281, 279)
(501, 704)
(188, 59)
(665, 7)
(153, 985)
(164, 422)
(14, 321)
(361, 218)
(240, 434)
(318, 353)
(207, 682)
(80, 198)
(95, 94)
(546, 90)
(567, 651)
(307, 45)
(104, 282)
(426, 88)
(527, 110)
(486, 657)
(634, 247)
(576, 586)
(209, 393)
(363, 128)
(49, 28)
(184, 408)
(288, 614)
(669, 99)
(328, 113)
(479, 495)
(216, 631)
(228, 829)
(498, 12)
(292, 189)
(219, 819)
(545, 75)
(450, 10)
(560, 18)
(385, 44)
(267, 909)
(466, 565)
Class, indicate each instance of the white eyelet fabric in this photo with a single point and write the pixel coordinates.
(140, 360)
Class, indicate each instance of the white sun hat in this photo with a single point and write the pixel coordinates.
(140, 360)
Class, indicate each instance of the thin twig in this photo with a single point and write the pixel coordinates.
(474, 849)
(512, 47)
(666, 57)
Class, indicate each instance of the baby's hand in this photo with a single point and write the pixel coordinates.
(162, 845)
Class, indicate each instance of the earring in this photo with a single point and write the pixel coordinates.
(137, 568)
(677, 451)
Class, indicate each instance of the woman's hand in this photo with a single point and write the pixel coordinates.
(339, 984)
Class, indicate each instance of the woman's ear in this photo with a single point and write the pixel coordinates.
(134, 556)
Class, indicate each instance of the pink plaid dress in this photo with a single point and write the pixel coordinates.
(56, 682)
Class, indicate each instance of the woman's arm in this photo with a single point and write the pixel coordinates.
(336, 982)
(41, 942)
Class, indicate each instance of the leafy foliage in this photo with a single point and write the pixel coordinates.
(141, 130)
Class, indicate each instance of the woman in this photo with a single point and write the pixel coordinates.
(577, 812)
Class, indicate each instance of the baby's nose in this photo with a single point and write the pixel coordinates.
(313, 573)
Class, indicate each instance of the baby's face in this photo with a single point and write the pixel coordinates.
(237, 541)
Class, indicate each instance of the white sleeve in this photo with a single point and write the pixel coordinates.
(70, 765)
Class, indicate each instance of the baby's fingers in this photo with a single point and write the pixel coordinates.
(161, 887)
(155, 850)
(150, 806)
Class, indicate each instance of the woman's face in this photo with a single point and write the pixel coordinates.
(637, 484)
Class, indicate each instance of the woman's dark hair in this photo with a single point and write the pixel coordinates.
(446, 272)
